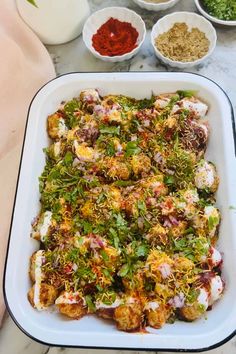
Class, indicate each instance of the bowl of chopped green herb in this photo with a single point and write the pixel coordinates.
(222, 12)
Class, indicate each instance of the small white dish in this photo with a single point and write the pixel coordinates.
(97, 19)
(192, 20)
(155, 6)
(211, 18)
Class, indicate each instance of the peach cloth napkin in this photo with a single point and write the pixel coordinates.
(25, 66)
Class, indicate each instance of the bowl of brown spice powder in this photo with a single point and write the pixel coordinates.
(183, 39)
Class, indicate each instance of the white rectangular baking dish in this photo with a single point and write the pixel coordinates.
(89, 331)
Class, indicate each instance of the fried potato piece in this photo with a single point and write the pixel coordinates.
(32, 267)
(75, 311)
(90, 96)
(128, 317)
(206, 176)
(71, 305)
(190, 313)
(106, 313)
(56, 126)
(157, 317)
(47, 295)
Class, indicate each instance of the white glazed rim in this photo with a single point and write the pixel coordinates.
(116, 9)
(212, 18)
(157, 6)
(181, 63)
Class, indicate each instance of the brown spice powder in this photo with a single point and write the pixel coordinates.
(182, 44)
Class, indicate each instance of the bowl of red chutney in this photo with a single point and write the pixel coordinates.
(114, 34)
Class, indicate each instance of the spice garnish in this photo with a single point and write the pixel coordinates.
(182, 44)
(115, 38)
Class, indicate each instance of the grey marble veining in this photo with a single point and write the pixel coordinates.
(73, 56)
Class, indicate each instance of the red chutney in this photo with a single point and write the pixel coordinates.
(115, 38)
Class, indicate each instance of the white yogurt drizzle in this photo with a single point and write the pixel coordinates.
(165, 270)
(216, 257)
(216, 289)
(45, 225)
(115, 304)
(62, 128)
(38, 280)
(198, 107)
(69, 299)
(151, 305)
(203, 298)
(205, 175)
(57, 148)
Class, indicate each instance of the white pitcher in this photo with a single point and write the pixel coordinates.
(55, 21)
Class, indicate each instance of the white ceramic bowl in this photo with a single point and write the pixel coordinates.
(192, 20)
(98, 18)
(156, 7)
(211, 18)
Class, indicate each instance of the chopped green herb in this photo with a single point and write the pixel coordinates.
(222, 9)
(70, 109)
(104, 255)
(90, 304)
(132, 148)
(213, 221)
(110, 130)
(32, 2)
(142, 251)
(124, 270)
(141, 207)
(186, 93)
(68, 159)
(169, 180)
(111, 150)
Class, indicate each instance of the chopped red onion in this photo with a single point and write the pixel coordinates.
(140, 222)
(173, 220)
(158, 157)
(74, 267)
(165, 270)
(146, 123)
(167, 223)
(75, 162)
(171, 172)
(177, 301)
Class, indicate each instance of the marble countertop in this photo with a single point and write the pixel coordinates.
(73, 56)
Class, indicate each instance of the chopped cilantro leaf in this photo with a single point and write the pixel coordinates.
(132, 148)
(104, 129)
(90, 304)
(186, 93)
(124, 270)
